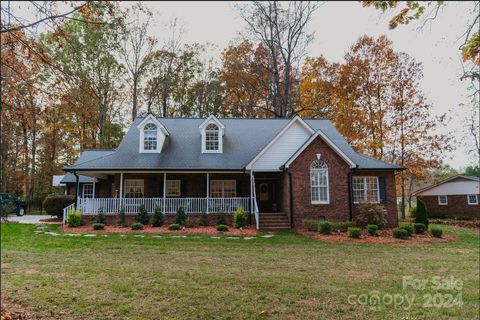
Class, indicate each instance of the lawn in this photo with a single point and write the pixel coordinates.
(287, 276)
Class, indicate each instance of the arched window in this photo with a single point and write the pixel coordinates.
(211, 137)
(150, 137)
(319, 182)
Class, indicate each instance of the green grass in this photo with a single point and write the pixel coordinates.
(286, 276)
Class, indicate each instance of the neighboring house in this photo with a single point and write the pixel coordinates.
(457, 196)
(279, 170)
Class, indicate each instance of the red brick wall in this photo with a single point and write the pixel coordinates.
(337, 209)
(338, 169)
(391, 204)
(457, 206)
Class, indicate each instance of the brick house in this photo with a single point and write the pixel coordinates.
(457, 196)
(279, 170)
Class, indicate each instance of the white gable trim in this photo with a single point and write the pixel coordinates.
(330, 144)
(162, 133)
(212, 119)
(420, 191)
(151, 119)
(295, 119)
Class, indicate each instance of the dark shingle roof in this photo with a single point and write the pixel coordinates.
(243, 140)
(70, 178)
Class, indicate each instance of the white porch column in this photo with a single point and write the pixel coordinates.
(164, 191)
(251, 192)
(93, 195)
(121, 185)
(208, 191)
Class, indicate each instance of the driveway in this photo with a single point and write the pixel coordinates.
(30, 219)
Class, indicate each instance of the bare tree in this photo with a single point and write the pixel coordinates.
(136, 47)
(283, 31)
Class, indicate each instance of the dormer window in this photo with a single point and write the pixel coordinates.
(212, 131)
(150, 137)
(211, 137)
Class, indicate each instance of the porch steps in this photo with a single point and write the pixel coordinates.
(274, 221)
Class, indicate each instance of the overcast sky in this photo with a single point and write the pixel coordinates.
(337, 26)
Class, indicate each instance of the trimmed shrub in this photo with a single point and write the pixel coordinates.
(408, 227)
(221, 219)
(54, 204)
(180, 216)
(222, 227)
(310, 224)
(204, 219)
(142, 215)
(191, 222)
(399, 233)
(420, 228)
(74, 218)
(372, 229)
(353, 232)
(121, 217)
(158, 218)
(421, 213)
(239, 218)
(436, 232)
(370, 213)
(137, 226)
(325, 227)
(343, 226)
(98, 226)
(174, 226)
(412, 211)
(100, 217)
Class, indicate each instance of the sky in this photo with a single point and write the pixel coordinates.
(337, 25)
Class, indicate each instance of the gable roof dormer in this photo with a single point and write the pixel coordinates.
(212, 131)
(152, 135)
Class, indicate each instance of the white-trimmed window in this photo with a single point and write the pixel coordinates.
(133, 188)
(150, 140)
(212, 133)
(442, 200)
(223, 188)
(173, 188)
(87, 190)
(472, 199)
(365, 190)
(319, 182)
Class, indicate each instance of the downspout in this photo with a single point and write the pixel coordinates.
(290, 195)
(77, 181)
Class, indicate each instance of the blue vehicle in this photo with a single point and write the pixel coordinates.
(16, 204)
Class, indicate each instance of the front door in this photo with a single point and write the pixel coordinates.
(266, 195)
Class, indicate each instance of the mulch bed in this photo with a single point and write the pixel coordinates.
(249, 231)
(384, 236)
(51, 220)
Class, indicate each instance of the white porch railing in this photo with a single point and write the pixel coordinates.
(66, 211)
(167, 205)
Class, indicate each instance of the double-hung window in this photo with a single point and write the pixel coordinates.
(365, 190)
(150, 137)
(472, 199)
(88, 190)
(223, 188)
(319, 182)
(134, 188)
(173, 188)
(442, 200)
(211, 137)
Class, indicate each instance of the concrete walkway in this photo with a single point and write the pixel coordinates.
(30, 219)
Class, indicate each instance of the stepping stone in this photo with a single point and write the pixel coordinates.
(267, 236)
(179, 236)
(123, 235)
(249, 238)
(139, 236)
(233, 238)
(52, 233)
(196, 237)
(105, 235)
(72, 234)
(216, 237)
(89, 235)
(156, 236)
(38, 231)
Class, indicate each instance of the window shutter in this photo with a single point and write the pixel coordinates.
(383, 190)
(183, 188)
(239, 188)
